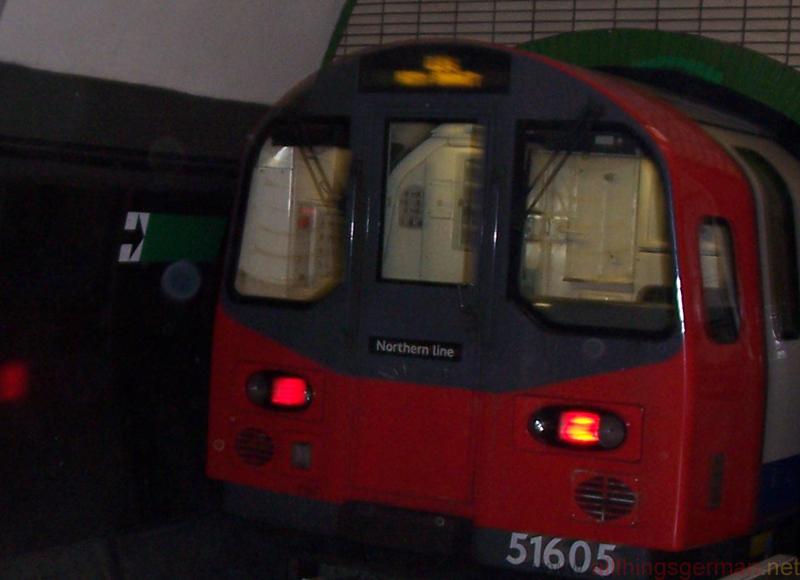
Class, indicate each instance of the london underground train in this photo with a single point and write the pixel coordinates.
(482, 302)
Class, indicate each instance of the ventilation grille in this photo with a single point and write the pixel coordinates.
(254, 447)
(605, 499)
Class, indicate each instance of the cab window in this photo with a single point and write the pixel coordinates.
(718, 268)
(594, 247)
(292, 238)
(434, 175)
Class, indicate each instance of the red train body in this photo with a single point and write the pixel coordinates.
(603, 256)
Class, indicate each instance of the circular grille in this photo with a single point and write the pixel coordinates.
(605, 498)
(254, 447)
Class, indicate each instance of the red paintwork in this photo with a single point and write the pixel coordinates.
(469, 454)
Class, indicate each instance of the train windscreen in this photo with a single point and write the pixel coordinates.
(292, 243)
(596, 246)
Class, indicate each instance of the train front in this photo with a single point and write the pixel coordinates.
(481, 301)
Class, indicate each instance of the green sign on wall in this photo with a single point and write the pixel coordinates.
(160, 237)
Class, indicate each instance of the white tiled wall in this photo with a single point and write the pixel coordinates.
(768, 26)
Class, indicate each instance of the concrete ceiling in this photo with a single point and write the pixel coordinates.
(243, 50)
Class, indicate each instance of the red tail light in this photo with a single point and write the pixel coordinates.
(562, 426)
(290, 392)
(579, 427)
(279, 391)
(14, 381)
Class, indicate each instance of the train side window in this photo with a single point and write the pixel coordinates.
(717, 265)
(434, 177)
(781, 244)
(293, 235)
(595, 247)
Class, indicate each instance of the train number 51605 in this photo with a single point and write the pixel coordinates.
(553, 553)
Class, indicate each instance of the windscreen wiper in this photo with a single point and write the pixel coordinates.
(583, 124)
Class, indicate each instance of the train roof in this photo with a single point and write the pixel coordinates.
(695, 72)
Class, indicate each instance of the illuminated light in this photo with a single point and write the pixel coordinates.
(14, 381)
(290, 392)
(439, 71)
(274, 390)
(589, 429)
(441, 63)
(411, 78)
(460, 79)
(580, 427)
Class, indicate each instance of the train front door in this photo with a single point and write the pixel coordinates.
(418, 331)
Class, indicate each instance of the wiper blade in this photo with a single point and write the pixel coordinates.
(583, 124)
